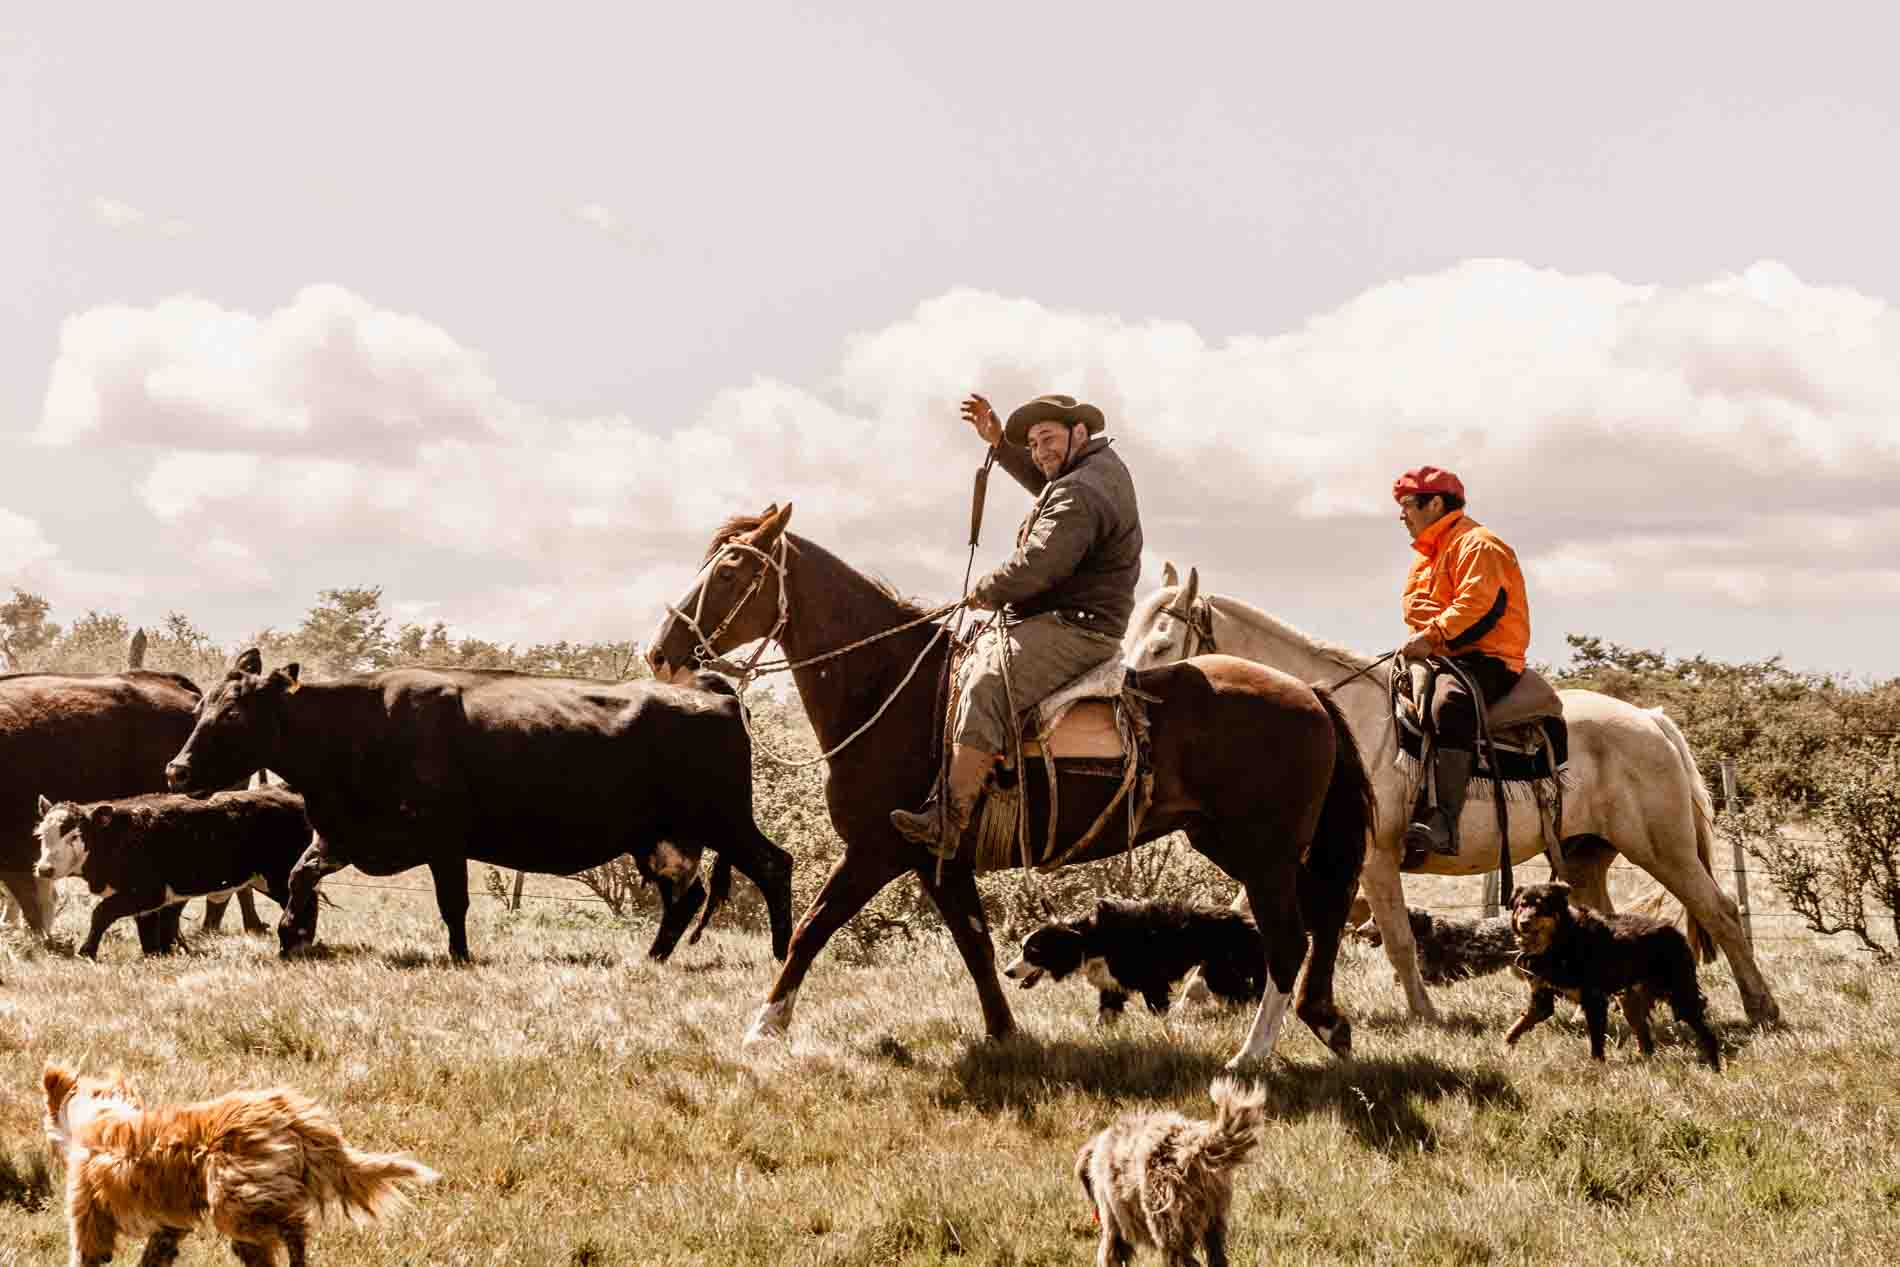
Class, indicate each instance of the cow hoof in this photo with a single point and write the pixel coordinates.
(1338, 1038)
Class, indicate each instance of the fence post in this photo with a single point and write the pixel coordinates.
(1490, 894)
(514, 903)
(1741, 858)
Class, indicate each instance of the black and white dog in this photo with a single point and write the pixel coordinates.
(1124, 948)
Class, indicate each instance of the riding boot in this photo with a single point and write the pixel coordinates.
(1436, 830)
(939, 825)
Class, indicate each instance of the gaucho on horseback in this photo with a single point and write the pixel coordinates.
(1464, 601)
(1063, 599)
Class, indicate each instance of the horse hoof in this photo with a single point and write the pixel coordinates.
(771, 1024)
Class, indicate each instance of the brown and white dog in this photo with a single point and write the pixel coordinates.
(263, 1166)
(1164, 1180)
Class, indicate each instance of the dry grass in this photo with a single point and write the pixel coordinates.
(588, 1108)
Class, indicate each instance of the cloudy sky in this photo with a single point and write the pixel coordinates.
(505, 313)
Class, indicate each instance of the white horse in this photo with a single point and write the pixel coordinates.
(1634, 787)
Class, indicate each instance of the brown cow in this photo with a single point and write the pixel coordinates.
(83, 737)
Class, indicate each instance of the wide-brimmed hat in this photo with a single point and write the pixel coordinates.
(1064, 409)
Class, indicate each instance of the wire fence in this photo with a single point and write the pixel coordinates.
(1780, 929)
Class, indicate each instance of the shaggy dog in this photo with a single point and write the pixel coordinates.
(1453, 950)
(1124, 948)
(1637, 957)
(1164, 1180)
(261, 1165)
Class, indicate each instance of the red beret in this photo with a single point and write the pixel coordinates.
(1423, 481)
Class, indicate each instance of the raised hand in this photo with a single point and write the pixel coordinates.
(977, 412)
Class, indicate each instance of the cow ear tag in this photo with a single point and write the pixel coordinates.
(295, 686)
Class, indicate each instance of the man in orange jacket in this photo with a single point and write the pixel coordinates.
(1464, 600)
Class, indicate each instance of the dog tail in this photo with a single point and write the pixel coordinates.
(1238, 1115)
(360, 1186)
(1657, 901)
(366, 1186)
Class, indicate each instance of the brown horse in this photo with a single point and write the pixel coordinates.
(1256, 766)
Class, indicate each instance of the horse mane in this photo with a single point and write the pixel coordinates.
(739, 525)
(1273, 624)
(734, 526)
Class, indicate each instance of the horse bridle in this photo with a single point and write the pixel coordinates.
(1199, 617)
(705, 654)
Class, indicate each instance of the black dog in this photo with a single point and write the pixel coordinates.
(1125, 948)
(1637, 957)
(1452, 950)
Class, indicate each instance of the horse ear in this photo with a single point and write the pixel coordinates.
(249, 661)
(1168, 575)
(774, 524)
(1193, 590)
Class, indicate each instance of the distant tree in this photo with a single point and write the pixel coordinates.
(346, 632)
(179, 646)
(1861, 819)
(95, 643)
(24, 628)
(1778, 724)
(423, 644)
(612, 661)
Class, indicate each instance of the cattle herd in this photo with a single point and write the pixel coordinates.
(385, 772)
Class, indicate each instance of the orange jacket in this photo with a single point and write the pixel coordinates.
(1466, 591)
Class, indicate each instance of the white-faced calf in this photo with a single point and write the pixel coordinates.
(148, 852)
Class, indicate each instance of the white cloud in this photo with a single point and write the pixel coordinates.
(611, 223)
(126, 218)
(1729, 442)
(29, 560)
(23, 545)
(330, 372)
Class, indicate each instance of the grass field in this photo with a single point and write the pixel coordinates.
(588, 1108)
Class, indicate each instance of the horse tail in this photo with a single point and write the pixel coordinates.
(1655, 899)
(1350, 814)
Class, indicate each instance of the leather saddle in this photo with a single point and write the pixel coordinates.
(1527, 727)
(1078, 720)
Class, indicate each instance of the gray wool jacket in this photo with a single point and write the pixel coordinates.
(1078, 551)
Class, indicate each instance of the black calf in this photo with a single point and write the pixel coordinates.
(150, 852)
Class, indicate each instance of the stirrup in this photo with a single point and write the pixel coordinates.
(1425, 836)
(927, 827)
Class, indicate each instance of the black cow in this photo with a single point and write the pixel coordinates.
(83, 737)
(148, 853)
(553, 775)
